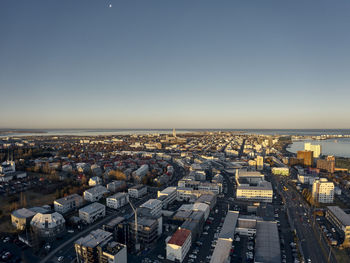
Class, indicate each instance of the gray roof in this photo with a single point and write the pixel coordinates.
(229, 226)
(23, 213)
(91, 207)
(339, 213)
(267, 243)
(94, 239)
(222, 251)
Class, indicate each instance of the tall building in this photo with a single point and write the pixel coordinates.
(323, 191)
(100, 247)
(306, 156)
(327, 164)
(315, 148)
(174, 132)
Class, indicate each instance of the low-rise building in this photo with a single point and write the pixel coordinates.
(341, 220)
(95, 193)
(117, 200)
(154, 206)
(261, 192)
(267, 243)
(68, 203)
(92, 212)
(170, 195)
(48, 226)
(178, 245)
(137, 191)
(116, 186)
(95, 180)
(21, 218)
(280, 171)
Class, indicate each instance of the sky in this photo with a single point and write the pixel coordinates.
(174, 63)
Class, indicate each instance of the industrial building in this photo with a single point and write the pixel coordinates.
(267, 243)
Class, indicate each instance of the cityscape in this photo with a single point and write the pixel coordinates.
(152, 131)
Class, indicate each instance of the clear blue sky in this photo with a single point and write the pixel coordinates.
(174, 63)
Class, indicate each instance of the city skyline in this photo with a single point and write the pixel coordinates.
(158, 65)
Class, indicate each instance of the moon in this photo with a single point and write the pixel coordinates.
(110, 5)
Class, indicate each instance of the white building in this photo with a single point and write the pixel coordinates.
(48, 225)
(95, 193)
(92, 212)
(116, 186)
(170, 195)
(154, 206)
(68, 203)
(95, 181)
(280, 171)
(178, 245)
(137, 191)
(141, 172)
(117, 200)
(323, 191)
(261, 192)
(315, 148)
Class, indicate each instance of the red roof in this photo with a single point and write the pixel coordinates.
(179, 237)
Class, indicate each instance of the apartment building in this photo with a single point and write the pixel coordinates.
(92, 212)
(117, 200)
(137, 191)
(95, 193)
(68, 203)
(323, 191)
(170, 195)
(178, 245)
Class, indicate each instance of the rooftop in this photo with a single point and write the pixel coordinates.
(267, 243)
(91, 207)
(222, 251)
(343, 217)
(179, 237)
(94, 239)
(229, 226)
(23, 213)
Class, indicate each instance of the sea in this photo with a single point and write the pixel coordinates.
(339, 147)
(98, 132)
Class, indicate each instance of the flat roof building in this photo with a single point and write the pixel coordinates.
(178, 245)
(267, 243)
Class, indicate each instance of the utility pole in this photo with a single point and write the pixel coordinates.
(137, 246)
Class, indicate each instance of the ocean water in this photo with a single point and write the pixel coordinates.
(339, 147)
(97, 132)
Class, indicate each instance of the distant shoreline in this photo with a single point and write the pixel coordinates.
(9, 132)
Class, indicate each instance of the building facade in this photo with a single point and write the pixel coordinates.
(92, 212)
(323, 191)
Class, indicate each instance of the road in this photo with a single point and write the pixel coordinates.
(300, 215)
(69, 244)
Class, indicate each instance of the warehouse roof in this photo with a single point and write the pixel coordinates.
(267, 244)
